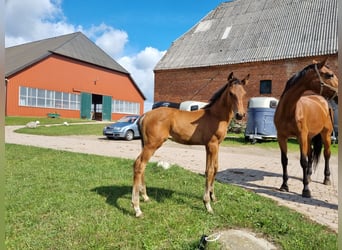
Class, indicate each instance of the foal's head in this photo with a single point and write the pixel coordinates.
(237, 94)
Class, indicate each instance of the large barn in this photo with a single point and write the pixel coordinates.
(69, 76)
(268, 39)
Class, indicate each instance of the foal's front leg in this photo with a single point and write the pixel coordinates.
(210, 173)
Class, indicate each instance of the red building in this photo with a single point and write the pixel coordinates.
(71, 76)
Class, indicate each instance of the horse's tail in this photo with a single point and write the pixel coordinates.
(140, 131)
(317, 149)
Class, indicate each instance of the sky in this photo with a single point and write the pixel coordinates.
(135, 33)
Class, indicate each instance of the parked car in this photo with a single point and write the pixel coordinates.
(125, 128)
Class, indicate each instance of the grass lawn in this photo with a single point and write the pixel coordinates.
(63, 200)
(72, 129)
(19, 120)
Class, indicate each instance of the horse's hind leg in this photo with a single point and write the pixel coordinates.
(327, 153)
(282, 141)
(310, 161)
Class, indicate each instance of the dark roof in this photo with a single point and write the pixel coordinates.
(249, 31)
(75, 45)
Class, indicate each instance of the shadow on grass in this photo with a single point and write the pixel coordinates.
(245, 178)
(114, 193)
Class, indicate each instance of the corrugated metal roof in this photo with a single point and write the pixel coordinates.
(75, 45)
(248, 31)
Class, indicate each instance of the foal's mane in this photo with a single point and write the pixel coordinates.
(296, 77)
(219, 93)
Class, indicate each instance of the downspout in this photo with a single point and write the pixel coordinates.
(6, 83)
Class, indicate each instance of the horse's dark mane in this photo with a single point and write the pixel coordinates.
(218, 93)
(296, 77)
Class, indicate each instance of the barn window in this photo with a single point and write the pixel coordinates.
(265, 86)
(23, 96)
(49, 99)
(33, 97)
(119, 106)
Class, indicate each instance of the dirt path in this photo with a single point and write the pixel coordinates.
(246, 166)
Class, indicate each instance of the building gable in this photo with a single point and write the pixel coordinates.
(76, 46)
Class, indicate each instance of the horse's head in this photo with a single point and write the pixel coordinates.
(326, 82)
(237, 94)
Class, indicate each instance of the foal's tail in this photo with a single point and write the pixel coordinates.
(139, 129)
(317, 149)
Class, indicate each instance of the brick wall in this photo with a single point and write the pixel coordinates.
(201, 83)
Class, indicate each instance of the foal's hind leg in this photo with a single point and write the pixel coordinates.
(138, 179)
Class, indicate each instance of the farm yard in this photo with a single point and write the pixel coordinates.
(83, 200)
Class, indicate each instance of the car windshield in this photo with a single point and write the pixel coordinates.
(129, 119)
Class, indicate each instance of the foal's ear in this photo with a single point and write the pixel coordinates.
(245, 80)
(230, 76)
(322, 63)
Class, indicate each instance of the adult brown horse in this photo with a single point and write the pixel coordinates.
(207, 126)
(307, 118)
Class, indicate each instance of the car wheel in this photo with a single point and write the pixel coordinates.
(129, 135)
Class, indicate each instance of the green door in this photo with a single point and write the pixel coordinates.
(86, 106)
(106, 108)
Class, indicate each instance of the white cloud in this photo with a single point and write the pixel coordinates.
(141, 68)
(45, 18)
(112, 41)
(33, 20)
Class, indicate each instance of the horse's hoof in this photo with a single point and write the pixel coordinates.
(327, 182)
(306, 194)
(284, 188)
(210, 211)
(213, 198)
(139, 214)
(208, 207)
